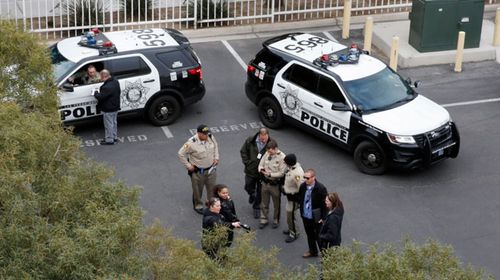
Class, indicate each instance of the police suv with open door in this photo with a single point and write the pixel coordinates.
(352, 99)
(158, 71)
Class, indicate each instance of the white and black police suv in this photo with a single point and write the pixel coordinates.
(158, 71)
(352, 99)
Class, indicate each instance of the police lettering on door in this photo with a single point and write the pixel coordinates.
(79, 110)
(327, 127)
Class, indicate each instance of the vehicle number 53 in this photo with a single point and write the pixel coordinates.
(311, 42)
(149, 38)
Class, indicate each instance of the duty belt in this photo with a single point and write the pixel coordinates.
(206, 170)
(271, 182)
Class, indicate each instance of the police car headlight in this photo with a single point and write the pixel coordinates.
(400, 139)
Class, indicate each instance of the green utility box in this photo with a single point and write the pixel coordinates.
(434, 24)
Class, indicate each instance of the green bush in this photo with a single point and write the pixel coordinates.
(135, 9)
(209, 9)
(84, 13)
(410, 262)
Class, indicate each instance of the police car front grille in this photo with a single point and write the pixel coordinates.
(435, 138)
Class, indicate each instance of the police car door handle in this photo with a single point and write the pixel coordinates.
(149, 81)
(281, 86)
(318, 104)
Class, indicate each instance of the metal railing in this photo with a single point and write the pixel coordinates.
(53, 19)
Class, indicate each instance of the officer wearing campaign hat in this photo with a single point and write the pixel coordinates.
(293, 178)
(200, 156)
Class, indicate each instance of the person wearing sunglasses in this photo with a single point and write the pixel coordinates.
(312, 196)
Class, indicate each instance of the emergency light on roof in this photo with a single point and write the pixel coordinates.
(334, 59)
(97, 40)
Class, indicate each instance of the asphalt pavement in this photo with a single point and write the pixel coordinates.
(455, 202)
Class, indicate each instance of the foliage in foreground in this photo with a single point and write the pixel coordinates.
(430, 260)
(62, 216)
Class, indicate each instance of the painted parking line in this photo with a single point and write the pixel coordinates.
(330, 36)
(471, 102)
(236, 56)
(167, 132)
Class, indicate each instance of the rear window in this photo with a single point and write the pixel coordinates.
(176, 59)
(266, 58)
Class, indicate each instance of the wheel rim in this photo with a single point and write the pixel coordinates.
(371, 158)
(164, 110)
(268, 113)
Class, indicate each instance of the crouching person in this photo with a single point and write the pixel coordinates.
(212, 239)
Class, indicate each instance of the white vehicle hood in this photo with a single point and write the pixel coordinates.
(415, 117)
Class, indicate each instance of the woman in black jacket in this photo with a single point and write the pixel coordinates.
(329, 234)
(212, 219)
(227, 207)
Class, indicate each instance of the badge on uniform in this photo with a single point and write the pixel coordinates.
(259, 156)
(297, 178)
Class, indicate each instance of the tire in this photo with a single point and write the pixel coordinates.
(270, 113)
(370, 159)
(164, 110)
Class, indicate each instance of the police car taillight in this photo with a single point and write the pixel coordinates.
(250, 69)
(196, 71)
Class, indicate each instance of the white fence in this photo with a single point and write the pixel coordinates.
(63, 18)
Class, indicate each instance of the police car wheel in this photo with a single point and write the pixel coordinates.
(164, 110)
(370, 159)
(270, 113)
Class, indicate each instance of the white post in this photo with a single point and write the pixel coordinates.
(347, 19)
(460, 51)
(496, 36)
(367, 45)
(393, 60)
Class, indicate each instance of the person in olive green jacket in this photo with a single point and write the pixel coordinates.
(251, 152)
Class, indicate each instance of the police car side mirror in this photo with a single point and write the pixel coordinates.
(68, 87)
(339, 106)
(417, 83)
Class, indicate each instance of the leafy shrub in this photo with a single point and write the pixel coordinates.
(136, 9)
(208, 9)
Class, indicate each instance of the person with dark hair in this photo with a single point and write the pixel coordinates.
(212, 219)
(251, 152)
(312, 209)
(272, 169)
(227, 206)
(293, 178)
(200, 156)
(108, 101)
(329, 234)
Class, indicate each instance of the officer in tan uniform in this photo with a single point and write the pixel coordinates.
(293, 178)
(272, 169)
(200, 156)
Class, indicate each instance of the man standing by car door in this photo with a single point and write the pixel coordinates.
(108, 101)
(251, 152)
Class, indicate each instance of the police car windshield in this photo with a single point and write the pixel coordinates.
(60, 64)
(380, 91)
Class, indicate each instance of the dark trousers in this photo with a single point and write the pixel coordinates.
(312, 231)
(253, 187)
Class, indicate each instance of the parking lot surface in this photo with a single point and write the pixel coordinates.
(455, 202)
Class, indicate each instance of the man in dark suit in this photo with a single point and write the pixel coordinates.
(108, 101)
(312, 196)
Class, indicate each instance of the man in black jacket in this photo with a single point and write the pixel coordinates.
(312, 196)
(108, 101)
(251, 152)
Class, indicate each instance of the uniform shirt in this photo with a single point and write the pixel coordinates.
(275, 164)
(199, 153)
(293, 178)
